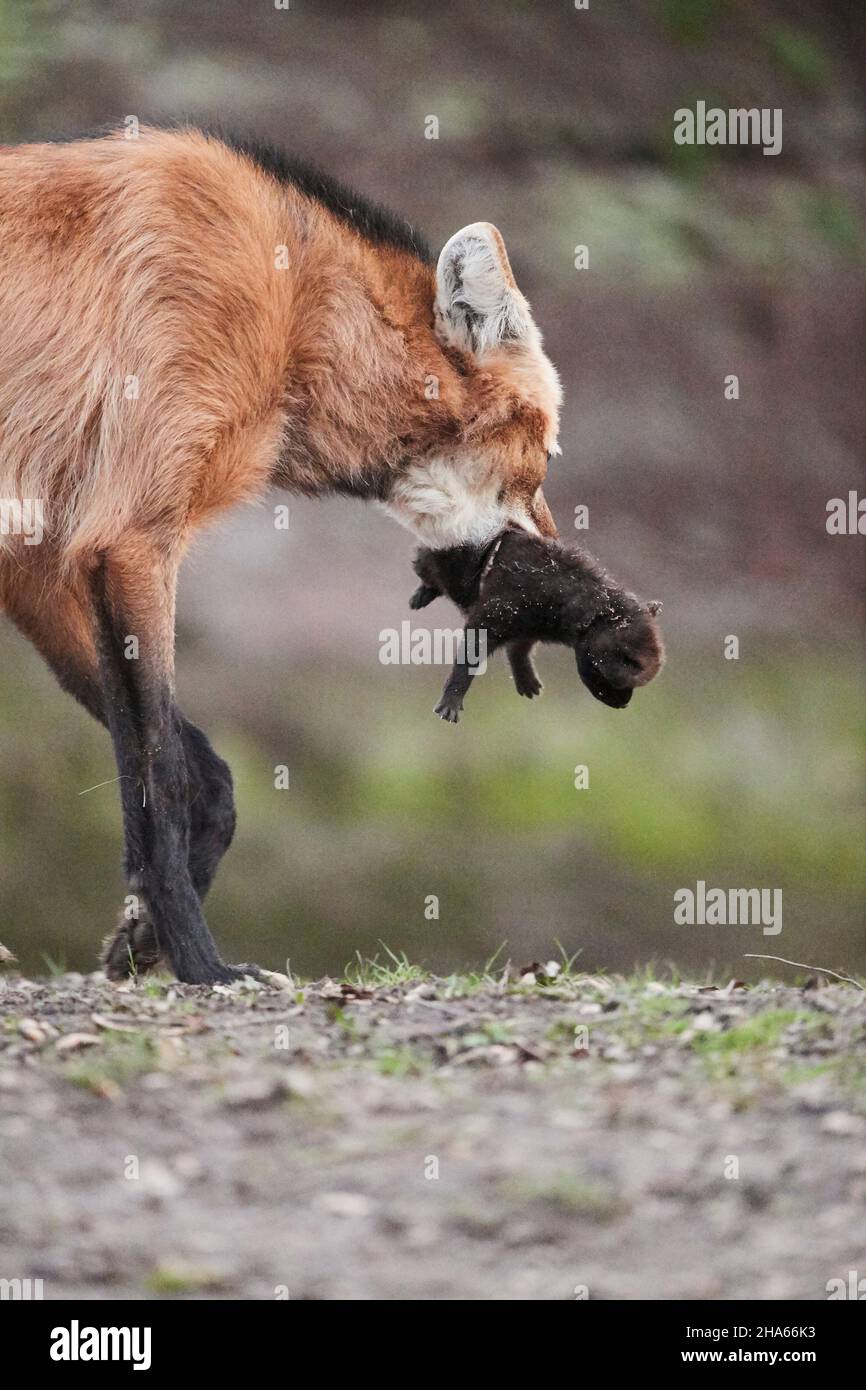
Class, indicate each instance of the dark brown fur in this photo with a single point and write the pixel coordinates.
(521, 590)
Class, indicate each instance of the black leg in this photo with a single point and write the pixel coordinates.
(526, 678)
(465, 669)
(133, 599)
(212, 808)
(424, 594)
(60, 623)
(133, 948)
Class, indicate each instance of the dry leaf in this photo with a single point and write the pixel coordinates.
(31, 1030)
(73, 1042)
(113, 1025)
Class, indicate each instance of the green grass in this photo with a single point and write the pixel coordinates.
(765, 1031)
(371, 973)
(489, 1034)
(116, 1062)
(55, 968)
(169, 1278)
(567, 1192)
(401, 1061)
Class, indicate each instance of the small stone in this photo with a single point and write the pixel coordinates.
(188, 1166)
(626, 1071)
(278, 980)
(268, 1089)
(841, 1123)
(159, 1181)
(423, 991)
(32, 1032)
(344, 1203)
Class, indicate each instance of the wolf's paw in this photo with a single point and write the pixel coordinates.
(239, 972)
(133, 949)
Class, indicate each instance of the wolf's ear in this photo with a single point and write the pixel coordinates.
(478, 304)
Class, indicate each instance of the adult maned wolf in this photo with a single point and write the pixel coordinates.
(185, 321)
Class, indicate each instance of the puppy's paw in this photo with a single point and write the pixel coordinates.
(449, 710)
(527, 683)
(422, 596)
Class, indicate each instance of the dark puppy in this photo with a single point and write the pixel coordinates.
(524, 589)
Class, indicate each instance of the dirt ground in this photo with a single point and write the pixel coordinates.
(542, 1136)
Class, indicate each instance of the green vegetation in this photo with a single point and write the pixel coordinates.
(115, 1063)
(376, 974)
(179, 1277)
(761, 1032)
(716, 765)
(567, 1192)
(799, 55)
(691, 21)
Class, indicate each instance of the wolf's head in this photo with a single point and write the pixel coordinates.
(489, 474)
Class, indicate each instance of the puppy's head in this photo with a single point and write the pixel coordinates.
(619, 652)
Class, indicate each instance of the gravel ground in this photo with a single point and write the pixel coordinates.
(535, 1135)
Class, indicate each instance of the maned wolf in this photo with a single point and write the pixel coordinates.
(187, 320)
(523, 589)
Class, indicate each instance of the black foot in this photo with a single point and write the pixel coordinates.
(237, 972)
(133, 950)
(527, 683)
(449, 711)
(216, 973)
(422, 596)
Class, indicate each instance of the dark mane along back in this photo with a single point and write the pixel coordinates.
(377, 224)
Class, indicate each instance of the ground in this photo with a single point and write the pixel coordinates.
(516, 1134)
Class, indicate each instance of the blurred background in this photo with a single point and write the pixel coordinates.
(556, 124)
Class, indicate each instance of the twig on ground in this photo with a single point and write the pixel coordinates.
(753, 955)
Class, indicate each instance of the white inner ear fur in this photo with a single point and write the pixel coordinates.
(478, 305)
(447, 501)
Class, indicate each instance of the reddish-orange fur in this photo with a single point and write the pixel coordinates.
(180, 331)
(154, 259)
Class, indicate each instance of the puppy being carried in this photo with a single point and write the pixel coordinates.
(523, 589)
